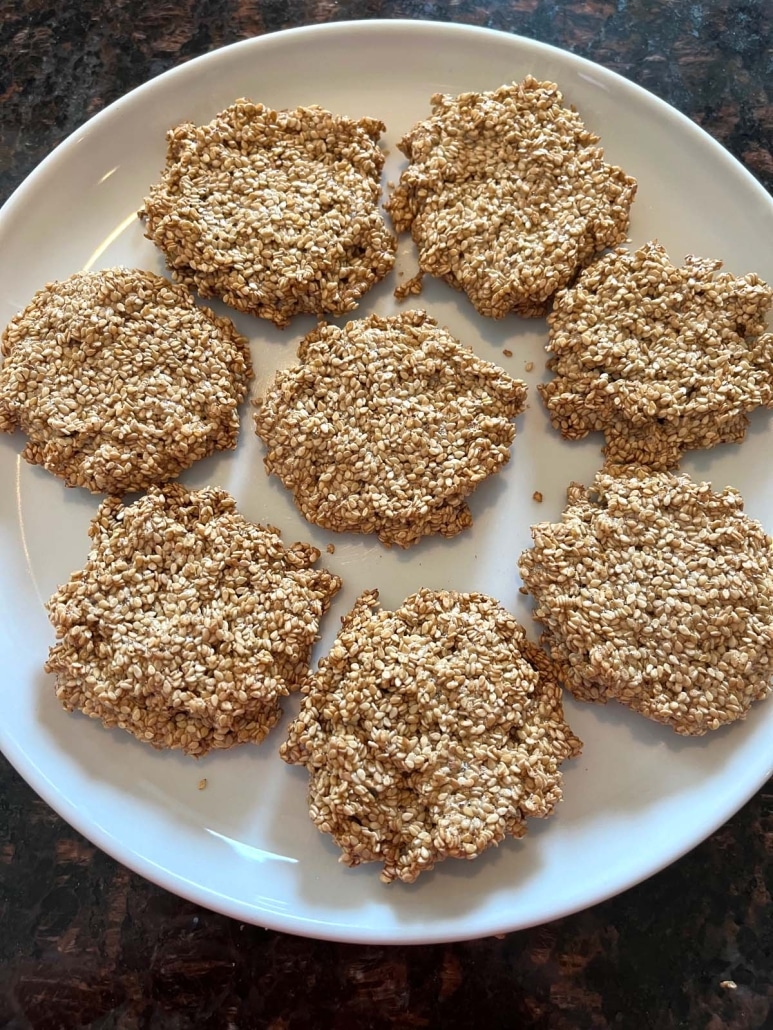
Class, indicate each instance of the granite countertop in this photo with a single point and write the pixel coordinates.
(84, 942)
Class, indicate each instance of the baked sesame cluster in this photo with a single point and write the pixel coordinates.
(507, 196)
(120, 380)
(437, 729)
(275, 212)
(188, 624)
(659, 358)
(387, 425)
(429, 732)
(656, 591)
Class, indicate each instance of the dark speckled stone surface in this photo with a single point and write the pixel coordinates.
(83, 942)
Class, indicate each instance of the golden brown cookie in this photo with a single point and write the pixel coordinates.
(657, 592)
(275, 212)
(659, 358)
(507, 196)
(430, 732)
(187, 624)
(387, 426)
(119, 380)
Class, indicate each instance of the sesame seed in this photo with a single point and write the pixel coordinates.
(507, 196)
(429, 732)
(386, 426)
(187, 624)
(119, 380)
(657, 592)
(659, 358)
(274, 212)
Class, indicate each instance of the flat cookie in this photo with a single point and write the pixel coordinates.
(187, 624)
(507, 196)
(660, 359)
(119, 380)
(386, 426)
(430, 732)
(657, 592)
(275, 212)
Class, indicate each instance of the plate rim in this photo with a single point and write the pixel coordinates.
(75, 816)
(418, 26)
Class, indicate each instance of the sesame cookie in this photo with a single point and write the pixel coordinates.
(119, 380)
(659, 358)
(275, 212)
(187, 624)
(429, 732)
(507, 196)
(657, 592)
(386, 426)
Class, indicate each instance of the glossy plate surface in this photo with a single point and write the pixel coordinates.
(639, 796)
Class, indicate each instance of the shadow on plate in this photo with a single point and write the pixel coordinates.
(644, 732)
(322, 878)
(168, 779)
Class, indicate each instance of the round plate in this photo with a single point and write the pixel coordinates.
(639, 796)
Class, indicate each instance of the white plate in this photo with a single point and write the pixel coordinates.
(639, 796)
